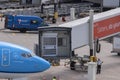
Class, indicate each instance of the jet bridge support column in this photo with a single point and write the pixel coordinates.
(92, 63)
(91, 33)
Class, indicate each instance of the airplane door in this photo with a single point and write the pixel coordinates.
(5, 57)
(49, 44)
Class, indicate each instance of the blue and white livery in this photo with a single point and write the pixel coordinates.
(18, 60)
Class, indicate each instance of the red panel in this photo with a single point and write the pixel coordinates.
(107, 27)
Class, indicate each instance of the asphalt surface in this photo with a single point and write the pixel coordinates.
(110, 67)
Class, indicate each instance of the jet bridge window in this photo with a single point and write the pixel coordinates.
(62, 42)
(26, 55)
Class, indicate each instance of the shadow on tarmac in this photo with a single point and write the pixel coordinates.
(115, 63)
(2, 29)
(111, 66)
(114, 56)
(18, 32)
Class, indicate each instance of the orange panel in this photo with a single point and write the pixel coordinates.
(107, 27)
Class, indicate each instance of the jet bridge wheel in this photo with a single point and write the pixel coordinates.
(72, 65)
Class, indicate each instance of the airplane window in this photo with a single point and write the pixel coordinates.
(29, 55)
(32, 54)
(26, 55)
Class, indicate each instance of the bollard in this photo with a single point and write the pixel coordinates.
(92, 70)
(72, 13)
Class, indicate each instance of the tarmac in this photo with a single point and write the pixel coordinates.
(110, 67)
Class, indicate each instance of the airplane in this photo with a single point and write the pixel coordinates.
(17, 61)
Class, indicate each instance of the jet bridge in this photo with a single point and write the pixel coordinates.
(75, 34)
(106, 24)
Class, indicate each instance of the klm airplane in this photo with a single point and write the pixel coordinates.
(17, 61)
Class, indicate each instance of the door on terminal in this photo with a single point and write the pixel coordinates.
(49, 44)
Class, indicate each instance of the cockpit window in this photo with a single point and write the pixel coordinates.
(29, 55)
(32, 54)
(26, 55)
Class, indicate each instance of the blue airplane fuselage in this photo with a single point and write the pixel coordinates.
(17, 59)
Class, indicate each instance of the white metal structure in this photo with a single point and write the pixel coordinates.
(103, 25)
(107, 3)
(116, 45)
(106, 24)
(111, 3)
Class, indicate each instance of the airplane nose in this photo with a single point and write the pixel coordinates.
(43, 64)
